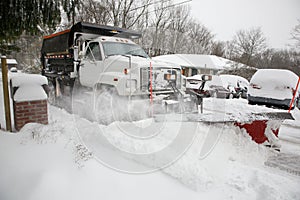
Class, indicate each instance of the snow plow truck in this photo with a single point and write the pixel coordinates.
(98, 56)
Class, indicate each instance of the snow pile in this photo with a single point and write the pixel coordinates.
(29, 87)
(220, 162)
(235, 110)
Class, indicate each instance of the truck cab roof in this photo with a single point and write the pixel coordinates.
(114, 39)
(62, 41)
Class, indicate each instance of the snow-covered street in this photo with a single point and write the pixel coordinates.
(52, 162)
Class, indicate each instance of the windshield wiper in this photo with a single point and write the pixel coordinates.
(126, 55)
(139, 55)
(113, 55)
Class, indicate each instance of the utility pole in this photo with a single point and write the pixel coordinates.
(6, 93)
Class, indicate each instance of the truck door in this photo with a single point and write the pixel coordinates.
(91, 65)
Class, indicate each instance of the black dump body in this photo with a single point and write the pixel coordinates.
(62, 41)
(57, 48)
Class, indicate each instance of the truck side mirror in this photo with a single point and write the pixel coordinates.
(206, 77)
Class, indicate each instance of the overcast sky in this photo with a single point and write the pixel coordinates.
(225, 17)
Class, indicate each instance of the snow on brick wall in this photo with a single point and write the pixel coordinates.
(29, 87)
(29, 99)
(30, 93)
(30, 111)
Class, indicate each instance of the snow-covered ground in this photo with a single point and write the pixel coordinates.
(51, 162)
(73, 158)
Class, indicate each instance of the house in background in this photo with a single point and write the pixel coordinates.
(192, 64)
(11, 63)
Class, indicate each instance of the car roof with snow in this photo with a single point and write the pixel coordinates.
(275, 77)
(229, 79)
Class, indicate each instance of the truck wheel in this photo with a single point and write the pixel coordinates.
(109, 106)
(103, 104)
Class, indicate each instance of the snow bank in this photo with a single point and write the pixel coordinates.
(237, 107)
(222, 161)
(208, 162)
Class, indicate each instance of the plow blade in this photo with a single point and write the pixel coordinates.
(222, 117)
(262, 127)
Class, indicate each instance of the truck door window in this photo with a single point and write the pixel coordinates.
(194, 72)
(93, 51)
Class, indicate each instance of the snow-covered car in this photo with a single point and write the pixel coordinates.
(237, 85)
(211, 88)
(273, 87)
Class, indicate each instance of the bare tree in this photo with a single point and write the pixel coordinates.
(218, 49)
(180, 17)
(94, 11)
(126, 13)
(229, 50)
(201, 39)
(248, 43)
(296, 34)
(159, 24)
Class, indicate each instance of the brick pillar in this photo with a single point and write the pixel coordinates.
(30, 111)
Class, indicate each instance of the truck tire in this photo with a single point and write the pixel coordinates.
(103, 104)
(109, 106)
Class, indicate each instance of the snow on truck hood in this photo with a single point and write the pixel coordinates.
(139, 61)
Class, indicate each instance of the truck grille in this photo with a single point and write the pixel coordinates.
(159, 79)
(144, 79)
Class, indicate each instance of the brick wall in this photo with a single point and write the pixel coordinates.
(30, 111)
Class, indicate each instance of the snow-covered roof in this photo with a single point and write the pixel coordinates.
(197, 61)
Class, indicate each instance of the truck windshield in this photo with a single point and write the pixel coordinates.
(116, 48)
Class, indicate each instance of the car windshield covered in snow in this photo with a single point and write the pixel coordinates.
(118, 48)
